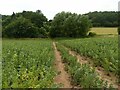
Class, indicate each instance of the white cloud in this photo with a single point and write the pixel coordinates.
(51, 7)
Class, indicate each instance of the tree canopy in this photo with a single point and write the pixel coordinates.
(21, 27)
(25, 24)
(104, 19)
(29, 24)
(66, 24)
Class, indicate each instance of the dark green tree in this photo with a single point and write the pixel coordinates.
(84, 26)
(35, 19)
(21, 28)
(104, 19)
(66, 24)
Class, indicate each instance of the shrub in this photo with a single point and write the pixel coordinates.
(118, 30)
(92, 34)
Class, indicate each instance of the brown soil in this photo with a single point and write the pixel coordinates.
(62, 77)
(111, 78)
(119, 87)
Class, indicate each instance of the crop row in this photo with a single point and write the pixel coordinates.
(27, 64)
(82, 75)
(103, 51)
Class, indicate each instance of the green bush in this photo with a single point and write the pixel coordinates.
(118, 30)
(92, 34)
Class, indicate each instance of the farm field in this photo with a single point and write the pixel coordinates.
(104, 31)
(104, 51)
(31, 63)
(27, 64)
(40, 49)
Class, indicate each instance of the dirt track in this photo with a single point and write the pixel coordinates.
(62, 77)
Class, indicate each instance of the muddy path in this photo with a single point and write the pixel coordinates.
(111, 78)
(62, 77)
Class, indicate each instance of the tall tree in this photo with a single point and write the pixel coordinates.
(21, 28)
(35, 19)
(66, 24)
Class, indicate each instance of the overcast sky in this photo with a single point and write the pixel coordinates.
(52, 7)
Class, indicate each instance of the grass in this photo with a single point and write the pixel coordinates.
(104, 31)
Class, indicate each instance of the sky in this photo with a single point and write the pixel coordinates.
(51, 7)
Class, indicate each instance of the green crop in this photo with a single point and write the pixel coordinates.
(103, 51)
(82, 74)
(27, 64)
(30, 63)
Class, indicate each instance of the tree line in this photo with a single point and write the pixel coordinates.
(29, 24)
(104, 19)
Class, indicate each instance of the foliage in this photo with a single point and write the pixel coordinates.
(46, 29)
(21, 28)
(103, 51)
(66, 24)
(26, 24)
(104, 19)
(82, 74)
(28, 64)
(91, 34)
(119, 30)
(37, 18)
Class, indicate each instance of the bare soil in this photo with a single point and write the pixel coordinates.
(62, 77)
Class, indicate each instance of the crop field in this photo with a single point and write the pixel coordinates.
(61, 50)
(103, 51)
(104, 31)
(27, 64)
(31, 63)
